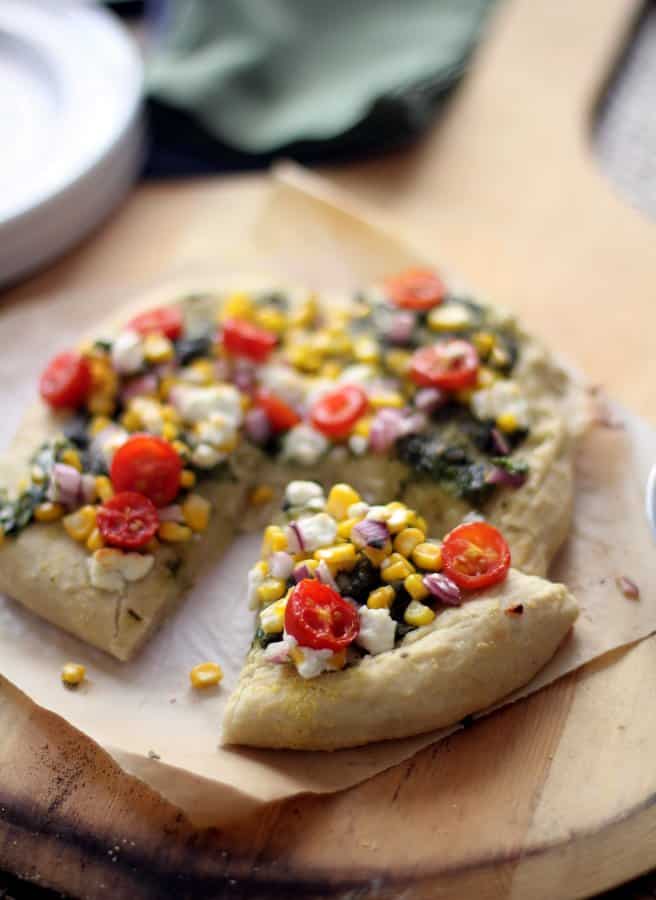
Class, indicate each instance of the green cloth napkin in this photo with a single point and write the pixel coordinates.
(259, 75)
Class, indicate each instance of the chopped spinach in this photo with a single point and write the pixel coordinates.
(16, 514)
(400, 603)
(512, 466)
(264, 639)
(188, 349)
(76, 430)
(451, 466)
(359, 582)
(104, 345)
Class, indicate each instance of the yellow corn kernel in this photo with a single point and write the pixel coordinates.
(486, 377)
(80, 524)
(174, 533)
(341, 556)
(331, 370)
(272, 617)
(341, 496)
(507, 422)
(95, 541)
(345, 526)
(397, 361)
(366, 350)
(73, 674)
(104, 488)
(48, 512)
(182, 448)
(157, 348)
(419, 522)
(395, 568)
(271, 319)
(131, 420)
(204, 369)
(274, 539)
(305, 314)
(187, 478)
(262, 567)
(98, 424)
(337, 661)
(238, 305)
(427, 556)
(376, 555)
(418, 614)
(37, 475)
(260, 495)
(206, 674)
(390, 399)
(23, 485)
(101, 404)
(362, 427)
(271, 590)
(499, 357)
(165, 387)
(381, 598)
(196, 511)
(72, 458)
(406, 541)
(169, 431)
(245, 401)
(484, 342)
(399, 519)
(450, 317)
(305, 358)
(414, 585)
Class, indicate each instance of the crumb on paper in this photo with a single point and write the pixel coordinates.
(628, 587)
(153, 755)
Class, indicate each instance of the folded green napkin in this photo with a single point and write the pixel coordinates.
(260, 75)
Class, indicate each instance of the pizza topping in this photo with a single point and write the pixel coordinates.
(377, 630)
(127, 353)
(449, 365)
(442, 587)
(475, 555)
(241, 338)
(336, 412)
(319, 618)
(280, 415)
(164, 320)
(66, 381)
(111, 569)
(128, 520)
(418, 289)
(148, 465)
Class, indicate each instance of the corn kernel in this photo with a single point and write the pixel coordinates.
(395, 568)
(204, 370)
(165, 387)
(406, 541)
(23, 485)
(366, 350)
(377, 555)
(101, 404)
(418, 614)
(362, 427)
(98, 424)
(73, 674)
(181, 448)
(157, 348)
(37, 475)
(381, 598)
(72, 458)
(484, 342)
(397, 361)
(305, 358)
(271, 319)
(341, 556)
(419, 522)
(170, 414)
(507, 422)
(196, 512)
(414, 585)
(499, 357)
(341, 496)
(305, 314)
(260, 495)
(345, 526)
(331, 370)
(104, 488)
(237, 305)
(391, 399)
(399, 519)
(486, 377)
(337, 661)
(169, 431)
(427, 556)
(187, 478)
(205, 675)
(174, 533)
(274, 539)
(80, 524)
(450, 317)
(95, 541)
(271, 590)
(131, 420)
(272, 617)
(48, 512)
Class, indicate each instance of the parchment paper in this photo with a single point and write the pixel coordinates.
(145, 709)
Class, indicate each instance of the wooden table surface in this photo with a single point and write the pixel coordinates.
(550, 237)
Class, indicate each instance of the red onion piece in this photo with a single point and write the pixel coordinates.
(281, 564)
(427, 400)
(143, 385)
(385, 428)
(370, 533)
(441, 587)
(172, 513)
(301, 572)
(508, 479)
(65, 485)
(256, 425)
(499, 442)
(326, 576)
(400, 328)
(294, 538)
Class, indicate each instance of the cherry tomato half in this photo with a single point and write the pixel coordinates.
(244, 339)
(166, 320)
(319, 618)
(335, 413)
(449, 365)
(127, 520)
(148, 465)
(66, 381)
(475, 555)
(418, 289)
(281, 416)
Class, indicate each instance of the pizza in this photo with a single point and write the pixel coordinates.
(173, 428)
(368, 629)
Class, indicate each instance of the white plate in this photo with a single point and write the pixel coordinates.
(70, 132)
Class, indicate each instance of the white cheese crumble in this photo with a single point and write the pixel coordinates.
(300, 493)
(379, 513)
(127, 353)
(198, 403)
(358, 444)
(254, 579)
(111, 569)
(150, 413)
(317, 531)
(310, 663)
(504, 396)
(357, 510)
(206, 457)
(272, 617)
(218, 430)
(377, 630)
(284, 382)
(359, 373)
(199, 315)
(304, 444)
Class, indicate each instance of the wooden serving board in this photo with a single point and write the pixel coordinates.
(550, 798)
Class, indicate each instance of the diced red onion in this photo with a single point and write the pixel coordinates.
(294, 538)
(324, 575)
(88, 488)
(243, 376)
(499, 442)
(172, 513)
(300, 572)
(278, 652)
(441, 587)
(508, 479)
(256, 425)
(400, 327)
(144, 385)
(370, 533)
(427, 400)
(164, 369)
(390, 424)
(281, 564)
(65, 485)
(628, 587)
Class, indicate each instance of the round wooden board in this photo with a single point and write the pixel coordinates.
(551, 798)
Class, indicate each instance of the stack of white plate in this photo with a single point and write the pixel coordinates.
(70, 129)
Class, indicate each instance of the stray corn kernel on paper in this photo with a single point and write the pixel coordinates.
(147, 707)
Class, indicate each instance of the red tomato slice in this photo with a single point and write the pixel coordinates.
(335, 413)
(281, 416)
(127, 520)
(449, 365)
(244, 339)
(319, 618)
(418, 289)
(166, 320)
(148, 465)
(66, 381)
(475, 555)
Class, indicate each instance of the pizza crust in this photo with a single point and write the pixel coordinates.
(469, 658)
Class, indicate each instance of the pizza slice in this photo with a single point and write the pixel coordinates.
(369, 630)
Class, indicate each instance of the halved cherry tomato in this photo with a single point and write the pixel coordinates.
(335, 413)
(166, 320)
(281, 416)
(475, 555)
(244, 339)
(148, 465)
(319, 618)
(66, 381)
(127, 520)
(418, 289)
(449, 365)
